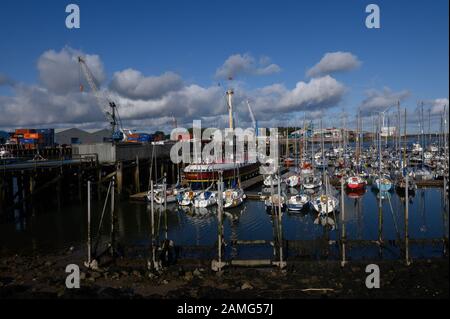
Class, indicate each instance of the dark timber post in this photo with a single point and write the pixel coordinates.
(113, 217)
(119, 174)
(136, 176)
(407, 261)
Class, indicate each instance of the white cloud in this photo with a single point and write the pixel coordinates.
(151, 101)
(438, 106)
(334, 62)
(5, 80)
(246, 64)
(378, 101)
(59, 72)
(37, 106)
(132, 84)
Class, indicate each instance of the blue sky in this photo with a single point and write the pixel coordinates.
(407, 57)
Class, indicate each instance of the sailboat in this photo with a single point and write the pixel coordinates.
(271, 181)
(384, 184)
(233, 197)
(187, 198)
(324, 204)
(297, 202)
(292, 181)
(311, 182)
(275, 201)
(355, 182)
(205, 199)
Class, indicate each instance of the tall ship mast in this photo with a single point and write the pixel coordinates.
(233, 171)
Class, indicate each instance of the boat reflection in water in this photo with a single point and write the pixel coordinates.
(356, 193)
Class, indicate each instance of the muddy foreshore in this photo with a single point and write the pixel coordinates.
(44, 276)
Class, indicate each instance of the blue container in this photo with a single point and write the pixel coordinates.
(28, 141)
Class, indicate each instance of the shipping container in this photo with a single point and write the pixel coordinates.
(25, 131)
(29, 141)
(32, 135)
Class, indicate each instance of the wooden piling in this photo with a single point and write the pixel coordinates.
(407, 260)
(119, 177)
(113, 234)
(343, 238)
(137, 184)
(89, 243)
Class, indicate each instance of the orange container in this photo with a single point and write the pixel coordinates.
(25, 131)
(31, 135)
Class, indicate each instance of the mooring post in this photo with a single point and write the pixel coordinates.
(136, 176)
(151, 263)
(343, 239)
(80, 180)
(89, 243)
(2, 195)
(279, 228)
(99, 181)
(119, 174)
(272, 213)
(113, 236)
(220, 221)
(407, 261)
(166, 229)
(444, 215)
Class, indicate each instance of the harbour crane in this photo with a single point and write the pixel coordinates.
(252, 116)
(112, 114)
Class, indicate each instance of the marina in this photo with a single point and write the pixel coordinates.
(204, 154)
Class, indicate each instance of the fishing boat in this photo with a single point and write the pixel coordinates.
(205, 199)
(383, 185)
(233, 197)
(292, 181)
(297, 202)
(355, 182)
(204, 171)
(324, 204)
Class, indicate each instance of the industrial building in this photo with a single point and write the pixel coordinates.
(78, 136)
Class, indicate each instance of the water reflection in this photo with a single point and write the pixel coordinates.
(188, 226)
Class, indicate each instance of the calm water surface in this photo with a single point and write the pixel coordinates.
(45, 231)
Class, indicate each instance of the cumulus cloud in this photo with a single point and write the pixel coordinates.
(378, 101)
(5, 80)
(246, 64)
(334, 62)
(438, 106)
(132, 84)
(37, 106)
(59, 72)
(278, 103)
(150, 101)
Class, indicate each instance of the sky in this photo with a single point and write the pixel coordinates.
(160, 60)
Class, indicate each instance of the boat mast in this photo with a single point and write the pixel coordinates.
(230, 107)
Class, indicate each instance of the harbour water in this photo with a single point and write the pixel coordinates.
(50, 229)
